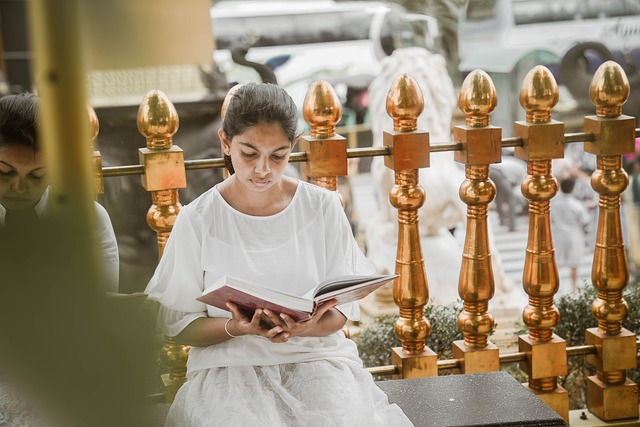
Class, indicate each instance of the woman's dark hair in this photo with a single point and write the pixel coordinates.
(256, 103)
(19, 120)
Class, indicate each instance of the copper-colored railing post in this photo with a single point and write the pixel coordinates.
(164, 173)
(409, 151)
(543, 140)
(481, 146)
(326, 151)
(610, 394)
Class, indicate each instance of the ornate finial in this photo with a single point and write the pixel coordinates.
(478, 98)
(322, 109)
(609, 89)
(227, 99)
(157, 120)
(539, 94)
(405, 103)
(93, 121)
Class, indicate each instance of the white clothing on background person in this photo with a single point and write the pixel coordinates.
(569, 221)
(250, 380)
(104, 235)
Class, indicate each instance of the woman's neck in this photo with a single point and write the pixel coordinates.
(267, 203)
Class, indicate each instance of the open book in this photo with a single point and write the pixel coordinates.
(251, 296)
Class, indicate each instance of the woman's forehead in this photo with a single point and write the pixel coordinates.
(21, 156)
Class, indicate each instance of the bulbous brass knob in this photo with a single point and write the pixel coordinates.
(609, 89)
(405, 103)
(157, 120)
(478, 98)
(93, 122)
(322, 109)
(539, 94)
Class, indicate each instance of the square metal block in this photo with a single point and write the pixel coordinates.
(415, 365)
(612, 402)
(476, 360)
(541, 141)
(544, 359)
(325, 156)
(613, 352)
(163, 169)
(97, 172)
(480, 146)
(409, 150)
(613, 137)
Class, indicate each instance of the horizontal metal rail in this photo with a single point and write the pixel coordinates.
(580, 350)
(436, 147)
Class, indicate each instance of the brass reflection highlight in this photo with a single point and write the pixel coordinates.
(409, 151)
(326, 151)
(610, 395)
(542, 141)
(481, 146)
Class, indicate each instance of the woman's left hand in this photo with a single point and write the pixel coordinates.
(301, 329)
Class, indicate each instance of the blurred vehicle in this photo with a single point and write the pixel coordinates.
(572, 38)
(552, 25)
(294, 43)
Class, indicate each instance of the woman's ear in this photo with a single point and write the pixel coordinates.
(224, 141)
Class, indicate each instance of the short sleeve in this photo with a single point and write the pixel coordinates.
(179, 277)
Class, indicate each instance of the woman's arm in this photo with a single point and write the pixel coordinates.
(205, 331)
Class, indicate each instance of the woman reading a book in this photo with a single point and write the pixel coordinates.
(262, 226)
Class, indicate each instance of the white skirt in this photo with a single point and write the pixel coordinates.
(329, 392)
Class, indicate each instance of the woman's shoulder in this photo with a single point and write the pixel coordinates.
(201, 204)
(317, 194)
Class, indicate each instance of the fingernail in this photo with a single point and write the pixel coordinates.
(282, 316)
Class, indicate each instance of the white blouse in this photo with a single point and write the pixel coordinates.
(307, 242)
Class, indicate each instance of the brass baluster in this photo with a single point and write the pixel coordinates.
(481, 146)
(164, 173)
(610, 394)
(410, 150)
(543, 140)
(96, 157)
(326, 151)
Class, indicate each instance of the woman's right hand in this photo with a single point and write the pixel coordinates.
(243, 325)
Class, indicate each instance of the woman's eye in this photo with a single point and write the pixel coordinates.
(277, 157)
(7, 174)
(249, 155)
(36, 177)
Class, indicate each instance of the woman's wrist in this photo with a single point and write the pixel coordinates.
(227, 327)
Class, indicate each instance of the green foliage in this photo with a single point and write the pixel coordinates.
(376, 341)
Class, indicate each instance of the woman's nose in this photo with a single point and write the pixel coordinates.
(263, 166)
(20, 185)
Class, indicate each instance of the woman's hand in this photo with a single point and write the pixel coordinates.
(317, 325)
(243, 325)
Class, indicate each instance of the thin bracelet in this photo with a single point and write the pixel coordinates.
(226, 329)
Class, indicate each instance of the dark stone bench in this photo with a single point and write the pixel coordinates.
(489, 399)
